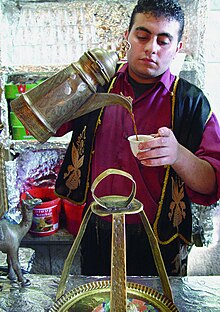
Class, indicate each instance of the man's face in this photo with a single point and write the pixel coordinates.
(154, 45)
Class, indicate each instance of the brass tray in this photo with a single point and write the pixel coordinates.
(88, 296)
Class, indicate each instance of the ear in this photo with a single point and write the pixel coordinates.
(179, 46)
(126, 34)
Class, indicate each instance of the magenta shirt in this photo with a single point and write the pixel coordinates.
(152, 110)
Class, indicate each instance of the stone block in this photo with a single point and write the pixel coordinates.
(212, 37)
(214, 5)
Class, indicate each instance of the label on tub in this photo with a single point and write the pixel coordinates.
(45, 221)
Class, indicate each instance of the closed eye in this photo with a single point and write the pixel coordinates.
(142, 38)
(164, 39)
(163, 42)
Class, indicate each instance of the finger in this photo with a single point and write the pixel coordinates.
(155, 162)
(156, 142)
(164, 131)
(153, 153)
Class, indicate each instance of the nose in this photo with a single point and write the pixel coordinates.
(151, 46)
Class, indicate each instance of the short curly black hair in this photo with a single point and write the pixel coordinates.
(170, 9)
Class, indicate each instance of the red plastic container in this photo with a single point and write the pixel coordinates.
(46, 215)
(73, 214)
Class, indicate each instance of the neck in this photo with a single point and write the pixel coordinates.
(143, 80)
(139, 88)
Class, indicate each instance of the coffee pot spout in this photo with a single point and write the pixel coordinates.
(99, 100)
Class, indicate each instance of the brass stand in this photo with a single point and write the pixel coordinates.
(118, 207)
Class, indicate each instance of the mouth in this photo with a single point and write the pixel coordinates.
(147, 60)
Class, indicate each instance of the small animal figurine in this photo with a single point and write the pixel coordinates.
(11, 235)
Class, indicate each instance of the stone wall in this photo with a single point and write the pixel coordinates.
(56, 33)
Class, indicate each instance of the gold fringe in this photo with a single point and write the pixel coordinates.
(92, 153)
(173, 95)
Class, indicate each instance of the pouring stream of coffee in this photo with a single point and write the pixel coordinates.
(134, 124)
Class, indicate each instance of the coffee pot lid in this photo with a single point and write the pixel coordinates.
(105, 62)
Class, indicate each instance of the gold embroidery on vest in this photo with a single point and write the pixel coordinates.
(177, 206)
(73, 174)
(81, 142)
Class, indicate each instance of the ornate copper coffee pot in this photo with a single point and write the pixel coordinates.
(68, 94)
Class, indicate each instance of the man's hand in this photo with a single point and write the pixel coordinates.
(164, 149)
(198, 174)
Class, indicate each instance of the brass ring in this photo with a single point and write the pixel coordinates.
(120, 204)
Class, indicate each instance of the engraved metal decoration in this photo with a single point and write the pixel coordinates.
(123, 47)
(68, 94)
(88, 296)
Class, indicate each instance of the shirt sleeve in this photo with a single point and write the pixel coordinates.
(209, 150)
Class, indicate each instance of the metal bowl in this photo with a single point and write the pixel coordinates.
(87, 297)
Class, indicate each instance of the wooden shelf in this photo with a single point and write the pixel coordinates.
(62, 236)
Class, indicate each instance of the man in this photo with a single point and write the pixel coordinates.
(181, 165)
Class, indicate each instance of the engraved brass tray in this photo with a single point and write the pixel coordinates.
(88, 296)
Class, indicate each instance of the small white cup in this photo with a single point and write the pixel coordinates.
(134, 142)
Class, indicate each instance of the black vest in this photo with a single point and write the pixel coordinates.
(190, 112)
